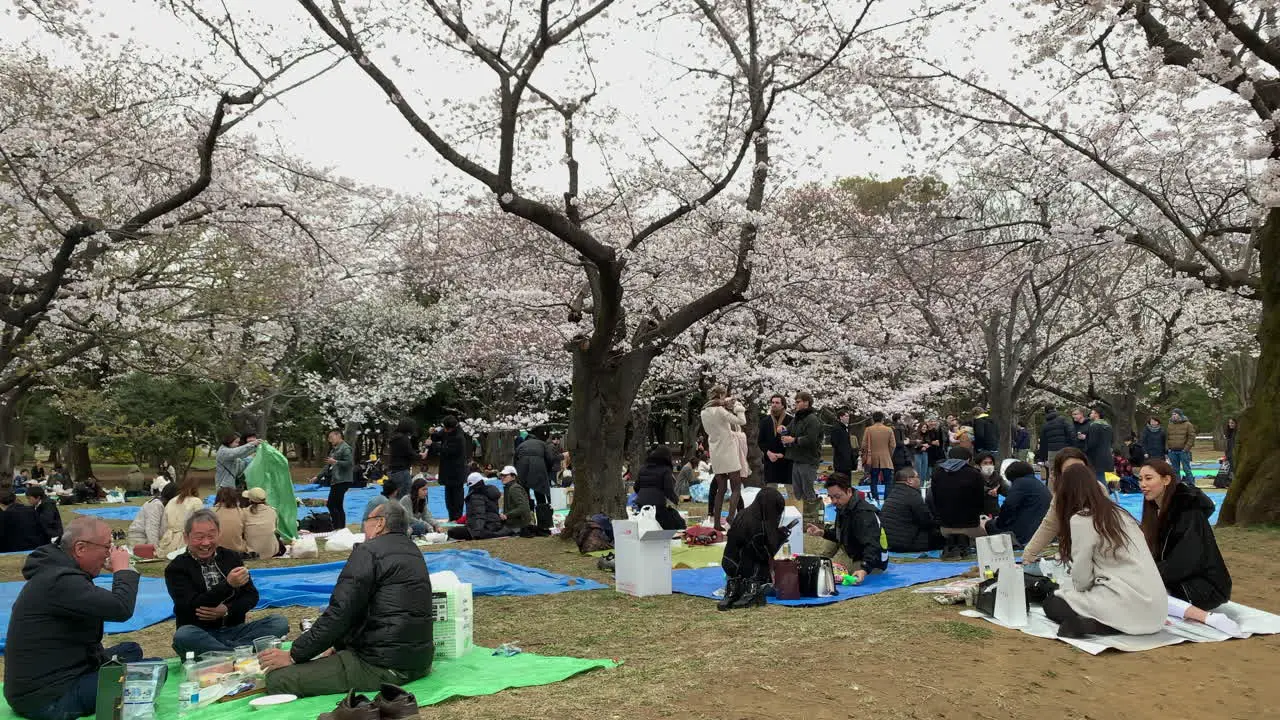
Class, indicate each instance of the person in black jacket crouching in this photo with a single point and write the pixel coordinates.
(1024, 508)
(378, 623)
(656, 486)
(212, 593)
(1175, 522)
(908, 523)
(957, 497)
(856, 530)
(753, 538)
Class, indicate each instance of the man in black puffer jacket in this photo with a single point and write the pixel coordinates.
(908, 523)
(378, 621)
(484, 519)
(1056, 434)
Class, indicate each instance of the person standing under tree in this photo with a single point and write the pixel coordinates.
(1098, 445)
(878, 443)
(777, 468)
(454, 450)
(841, 445)
(721, 416)
(1182, 439)
(804, 448)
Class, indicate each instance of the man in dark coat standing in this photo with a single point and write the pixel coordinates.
(454, 448)
(841, 445)
(533, 461)
(1056, 434)
(1098, 445)
(777, 468)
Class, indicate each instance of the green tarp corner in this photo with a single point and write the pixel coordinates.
(478, 673)
(270, 471)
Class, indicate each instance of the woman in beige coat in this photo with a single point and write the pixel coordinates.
(722, 416)
(227, 506)
(260, 524)
(176, 512)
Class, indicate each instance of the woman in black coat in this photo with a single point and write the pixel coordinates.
(656, 485)
(754, 538)
(1175, 522)
(484, 520)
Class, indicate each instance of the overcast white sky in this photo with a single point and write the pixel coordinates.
(343, 121)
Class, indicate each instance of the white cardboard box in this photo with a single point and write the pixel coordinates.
(642, 561)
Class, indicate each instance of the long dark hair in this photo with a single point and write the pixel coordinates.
(766, 511)
(1156, 514)
(418, 504)
(1078, 492)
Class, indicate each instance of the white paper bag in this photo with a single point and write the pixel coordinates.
(342, 540)
(994, 553)
(646, 519)
(1011, 597)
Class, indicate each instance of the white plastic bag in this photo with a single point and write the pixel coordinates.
(304, 547)
(342, 540)
(646, 519)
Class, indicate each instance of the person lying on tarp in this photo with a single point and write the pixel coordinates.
(754, 538)
(484, 520)
(1175, 522)
(54, 646)
(856, 530)
(656, 486)
(377, 627)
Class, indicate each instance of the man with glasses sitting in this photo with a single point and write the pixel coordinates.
(377, 628)
(54, 646)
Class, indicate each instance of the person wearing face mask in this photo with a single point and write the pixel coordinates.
(1175, 523)
(54, 644)
(992, 484)
(212, 593)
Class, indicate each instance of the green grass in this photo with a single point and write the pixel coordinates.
(963, 631)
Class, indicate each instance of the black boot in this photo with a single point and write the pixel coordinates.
(753, 596)
(732, 591)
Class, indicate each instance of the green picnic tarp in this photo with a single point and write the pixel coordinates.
(270, 471)
(479, 672)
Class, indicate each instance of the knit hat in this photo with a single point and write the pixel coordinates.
(1177, 412)
(255, 495)
(508, 470)
(475, 479)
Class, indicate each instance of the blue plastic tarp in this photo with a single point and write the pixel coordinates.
(111, 512)
(311, 585)
(153, 606)
(704, 582)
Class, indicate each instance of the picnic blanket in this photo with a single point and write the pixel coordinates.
(480, 672)
(704, 582)
(153, 606)
(311, 585)
(113, 512)
(1252, 621)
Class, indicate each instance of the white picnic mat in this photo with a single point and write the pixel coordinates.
(1252, 621)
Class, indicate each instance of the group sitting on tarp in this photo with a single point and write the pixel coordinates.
(54, 642)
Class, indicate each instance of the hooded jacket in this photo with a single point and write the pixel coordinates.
(186, 586)
(1189, 560)
(1182, 435)
(55, 627)
(1057, 433)
(956, 494)
(380, 609)
(857, 530)
(1155, 441)
(807, 429)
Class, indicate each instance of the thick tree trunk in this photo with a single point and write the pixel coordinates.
(1255, 495)
(637, 437)
(78, 463)
(12, 438)
(603, 391)
(755, 457)
(1125, 407)
(499, 448)
(1001, 407)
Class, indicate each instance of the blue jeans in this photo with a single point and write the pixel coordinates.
(190, 638)
(877, 475)
(81, 696)
(923, 468)
(1181, 462)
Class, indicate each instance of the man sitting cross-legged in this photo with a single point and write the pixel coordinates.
(212, 593)
(377, 628)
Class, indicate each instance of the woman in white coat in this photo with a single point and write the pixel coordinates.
(1115, 584)
(722, 416)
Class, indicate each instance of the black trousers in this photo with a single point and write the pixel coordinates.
(542, 511)
(1072, 624)
(744, 562)
(335, 504)
(454, 500)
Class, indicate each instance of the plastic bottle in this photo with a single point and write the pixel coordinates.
(189, 688)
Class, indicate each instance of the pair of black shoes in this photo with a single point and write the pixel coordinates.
(392, 703)
(739, 593)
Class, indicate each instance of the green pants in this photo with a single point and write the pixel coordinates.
(337, 673)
